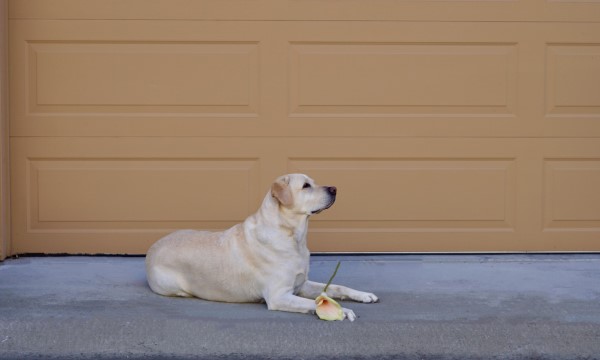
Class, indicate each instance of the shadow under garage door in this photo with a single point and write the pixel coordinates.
(446, 126)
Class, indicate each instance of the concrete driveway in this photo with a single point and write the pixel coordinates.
(432, 307)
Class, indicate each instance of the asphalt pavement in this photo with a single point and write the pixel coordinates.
(432, 307)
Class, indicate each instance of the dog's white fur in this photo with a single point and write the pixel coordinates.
(263, 258)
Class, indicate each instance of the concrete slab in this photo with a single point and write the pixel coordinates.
(432, 307)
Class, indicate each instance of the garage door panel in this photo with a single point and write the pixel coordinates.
(572, 199)
(429, 192)
(135, 191)
(408, 202)
(573, 87)
(571, 78)
(574, 77)
(393, 79)
(85, 194)
(411, 79)
(571, 174)
(136, 79)
(213, 78)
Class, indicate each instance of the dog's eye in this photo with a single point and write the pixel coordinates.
(306, 186)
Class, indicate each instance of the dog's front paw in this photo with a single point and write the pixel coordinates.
(349, 314)
(366, 298)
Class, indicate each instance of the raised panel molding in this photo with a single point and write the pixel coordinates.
(179, 78)
(571, 195)
(426, 194)
(106, 195)
(398, 80)
(573, 81)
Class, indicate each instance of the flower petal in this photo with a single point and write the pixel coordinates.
(328, 309)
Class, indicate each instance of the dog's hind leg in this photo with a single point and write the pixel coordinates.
(166, 282)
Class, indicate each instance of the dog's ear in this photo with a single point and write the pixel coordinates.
(281, 191)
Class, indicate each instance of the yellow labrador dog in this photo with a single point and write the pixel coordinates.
(263, 258)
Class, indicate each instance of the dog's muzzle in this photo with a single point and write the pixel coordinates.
(332, 192)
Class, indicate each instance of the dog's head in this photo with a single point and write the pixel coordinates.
(300, 194)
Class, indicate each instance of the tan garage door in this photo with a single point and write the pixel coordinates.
(446, 125)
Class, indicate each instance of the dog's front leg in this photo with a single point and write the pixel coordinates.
(311, 290)
(292, 303)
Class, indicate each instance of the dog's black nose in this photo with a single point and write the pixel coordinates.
(332, 190)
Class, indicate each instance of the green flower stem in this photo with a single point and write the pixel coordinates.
(332, 276)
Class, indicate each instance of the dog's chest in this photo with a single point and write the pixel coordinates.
(299, 281)
(301, 276)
